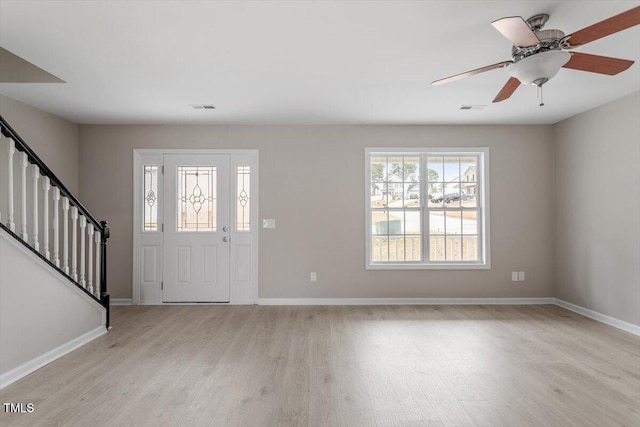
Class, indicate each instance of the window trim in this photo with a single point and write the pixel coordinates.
(483, 194)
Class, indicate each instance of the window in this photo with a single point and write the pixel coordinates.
(427, 208)
(196, 207)
(150, 198)
(243, 198)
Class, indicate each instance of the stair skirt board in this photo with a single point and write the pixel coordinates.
(59, 277)
(33, 365)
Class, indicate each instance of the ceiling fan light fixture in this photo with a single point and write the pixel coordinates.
(540, 67)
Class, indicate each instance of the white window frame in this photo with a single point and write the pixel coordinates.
(483, 193)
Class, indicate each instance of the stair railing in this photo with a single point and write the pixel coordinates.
(41, 196)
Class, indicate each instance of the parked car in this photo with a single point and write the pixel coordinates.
(437, 198)
(452, 197)
(413, 192)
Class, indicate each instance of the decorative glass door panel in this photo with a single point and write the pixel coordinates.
(243, 198)
(196, 207)
(150, 204)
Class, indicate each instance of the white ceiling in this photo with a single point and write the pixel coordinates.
(286, 62)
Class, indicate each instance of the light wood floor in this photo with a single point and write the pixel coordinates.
(340, 366)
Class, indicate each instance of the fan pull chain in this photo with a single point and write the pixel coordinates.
(540, 96)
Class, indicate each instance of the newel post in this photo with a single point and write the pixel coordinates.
(104, 296)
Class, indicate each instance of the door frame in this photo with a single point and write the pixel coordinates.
(241, 292)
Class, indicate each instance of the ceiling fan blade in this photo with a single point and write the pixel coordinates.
(597, 64)
(517, 31)
(470, 73)
(507, 90)
(604, 28)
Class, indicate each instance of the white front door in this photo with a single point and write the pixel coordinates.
(196, 231)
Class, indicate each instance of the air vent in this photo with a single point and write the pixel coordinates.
(472, 107)
(203, 107)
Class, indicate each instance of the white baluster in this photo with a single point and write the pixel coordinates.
(65, 235)
(56, 226)
(46, 186)
(23, 181)
(97, 292)
(74, 243)
(36, 176)
(11, 149)
(83, 225)
(90, 232)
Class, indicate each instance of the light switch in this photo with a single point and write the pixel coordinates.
(268, 223)
(521, 276)
(514, 276)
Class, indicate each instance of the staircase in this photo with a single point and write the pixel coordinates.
(55, 232)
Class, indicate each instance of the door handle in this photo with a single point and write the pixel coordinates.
(225, 239)
(225, 229)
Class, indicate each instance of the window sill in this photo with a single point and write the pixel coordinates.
(400, 266)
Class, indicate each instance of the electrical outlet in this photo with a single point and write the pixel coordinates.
(313, 276)
(514, 276)
(521, 276)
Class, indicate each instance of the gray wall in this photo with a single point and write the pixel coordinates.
(54, 140)
(311, 182)
(598, 209)
(39, 310)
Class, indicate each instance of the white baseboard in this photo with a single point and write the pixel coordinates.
(37, 363)
(405, 301)
(120, 301)
(603, 318)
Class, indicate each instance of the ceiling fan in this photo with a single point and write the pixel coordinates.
(537, 55)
